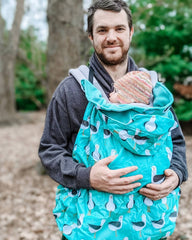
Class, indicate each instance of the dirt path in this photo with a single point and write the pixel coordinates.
(27, 198)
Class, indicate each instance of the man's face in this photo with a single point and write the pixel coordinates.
(111, 36)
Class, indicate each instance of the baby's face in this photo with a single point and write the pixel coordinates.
(115, 98)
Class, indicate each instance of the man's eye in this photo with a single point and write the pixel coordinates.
(101, 30)
(120, 29)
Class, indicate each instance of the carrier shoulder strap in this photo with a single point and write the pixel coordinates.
(83, 72)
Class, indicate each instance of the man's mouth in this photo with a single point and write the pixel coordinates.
(111, 46)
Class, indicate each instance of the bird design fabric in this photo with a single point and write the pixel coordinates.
(140, 136)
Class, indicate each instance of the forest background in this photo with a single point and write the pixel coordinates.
(37, 48)
(32, 68)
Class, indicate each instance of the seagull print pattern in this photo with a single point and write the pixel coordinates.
(110, 206)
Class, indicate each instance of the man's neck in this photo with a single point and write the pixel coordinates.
(117, 71)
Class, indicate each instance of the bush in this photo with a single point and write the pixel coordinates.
(183, 109)
(30, 72)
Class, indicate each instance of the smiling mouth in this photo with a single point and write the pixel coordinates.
(111, 46)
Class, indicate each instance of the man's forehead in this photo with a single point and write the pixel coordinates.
(109, 18)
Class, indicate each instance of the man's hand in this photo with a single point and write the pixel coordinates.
(159, 191)
(106, 180)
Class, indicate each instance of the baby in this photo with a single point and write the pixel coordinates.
(134, 87)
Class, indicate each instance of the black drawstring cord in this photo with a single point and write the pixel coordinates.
(91, 74)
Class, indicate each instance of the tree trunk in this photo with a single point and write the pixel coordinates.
(65, 19)
(8, 51)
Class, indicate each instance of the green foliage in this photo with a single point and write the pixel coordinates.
(163, 40)
(30, 72)
(183, 109)
(29, 92)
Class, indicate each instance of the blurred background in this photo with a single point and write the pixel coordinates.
(39, 42)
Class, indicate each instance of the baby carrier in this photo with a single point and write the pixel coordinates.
(140, 135)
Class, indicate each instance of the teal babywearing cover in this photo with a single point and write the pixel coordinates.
(140, 135)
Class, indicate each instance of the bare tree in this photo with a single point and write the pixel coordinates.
(8, 51)
(65, 19)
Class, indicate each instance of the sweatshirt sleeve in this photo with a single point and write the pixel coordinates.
(55, 150)
(178, 162)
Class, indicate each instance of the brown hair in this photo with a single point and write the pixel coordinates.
(107, 5)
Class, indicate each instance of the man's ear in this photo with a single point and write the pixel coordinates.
(90, 38)
(131, 33)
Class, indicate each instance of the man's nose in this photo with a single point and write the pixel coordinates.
(111, 36)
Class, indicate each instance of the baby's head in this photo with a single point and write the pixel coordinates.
(134, 87)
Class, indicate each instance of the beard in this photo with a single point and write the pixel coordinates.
(112, 61)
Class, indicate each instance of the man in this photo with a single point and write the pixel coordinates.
(110, 31)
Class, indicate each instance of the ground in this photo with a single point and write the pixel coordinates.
(27, 197)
